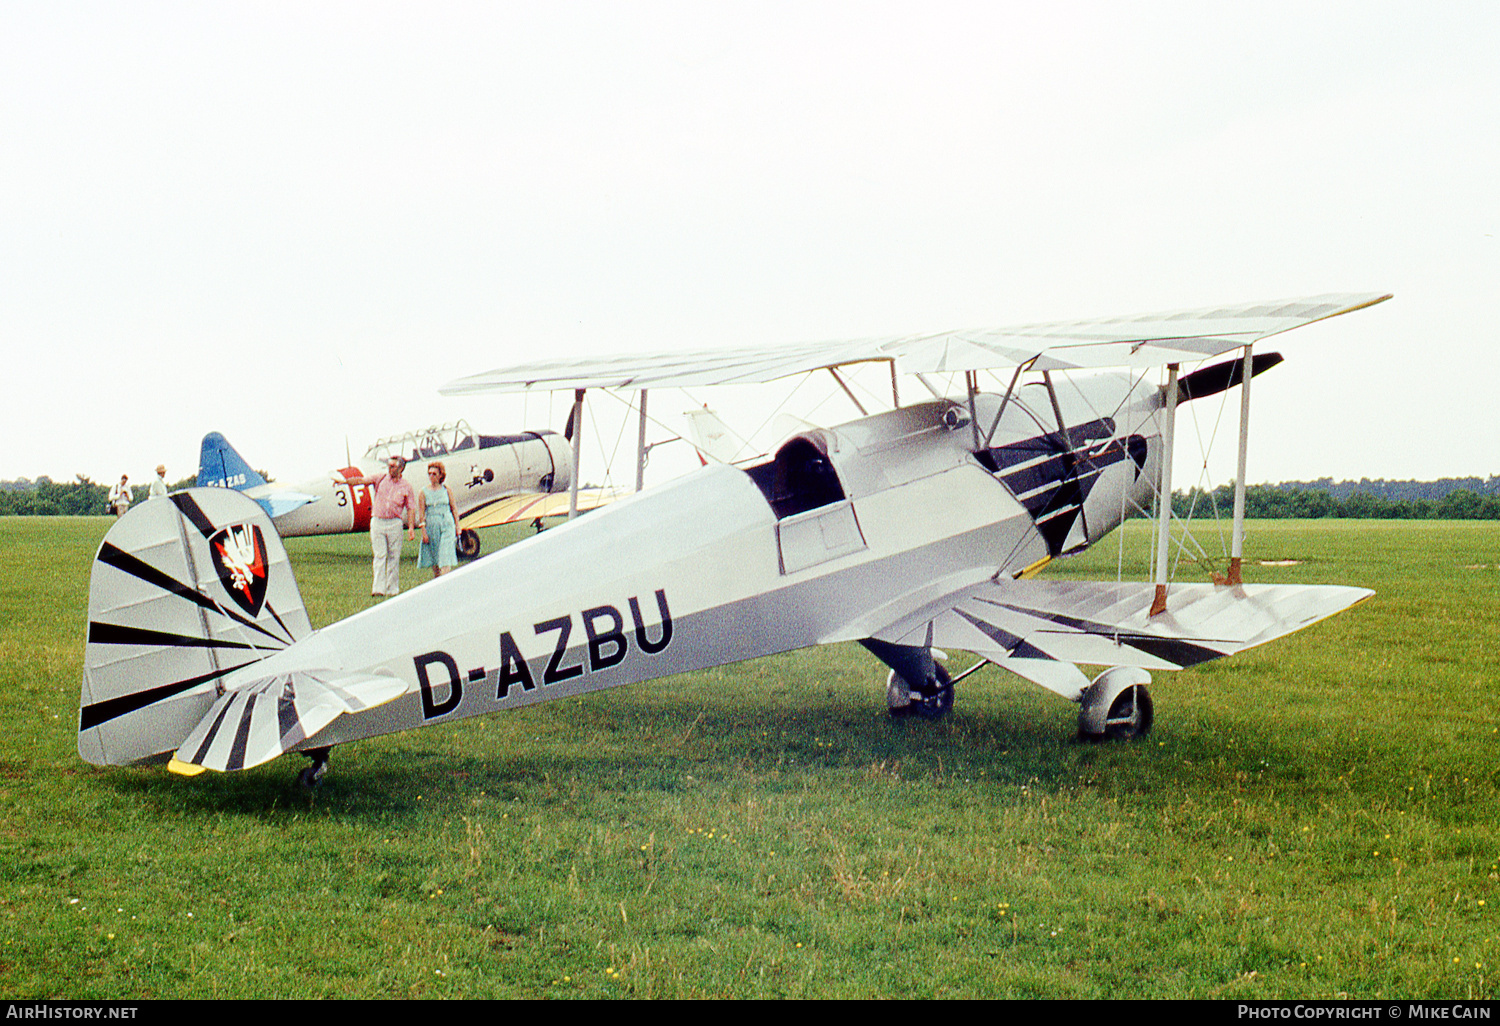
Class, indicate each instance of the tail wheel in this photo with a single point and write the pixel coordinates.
(469, 544)
(312, 775)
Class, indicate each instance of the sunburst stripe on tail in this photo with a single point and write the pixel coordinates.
(112, 555)
(214, 722)
(190, 509)
(119, 634)
(103, 712)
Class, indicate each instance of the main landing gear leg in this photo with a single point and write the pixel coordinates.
(311, 775)
(931, 697)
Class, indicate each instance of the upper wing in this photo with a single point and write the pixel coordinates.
(1139, 341)
(1107, 624)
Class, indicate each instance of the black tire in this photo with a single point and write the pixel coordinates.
(469, 545)
(932, 703)
(1130, 714)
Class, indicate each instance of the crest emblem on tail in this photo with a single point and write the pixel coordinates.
(239, 555)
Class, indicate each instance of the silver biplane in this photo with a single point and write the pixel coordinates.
(910, 531)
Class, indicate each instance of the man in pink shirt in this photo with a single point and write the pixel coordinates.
(392, 497)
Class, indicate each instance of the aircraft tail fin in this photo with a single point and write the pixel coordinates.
(221, 466)
(712, 437)
(183, 593)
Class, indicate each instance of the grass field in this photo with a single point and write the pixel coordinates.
(1316, 818)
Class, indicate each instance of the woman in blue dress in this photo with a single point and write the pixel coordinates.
(439, 527)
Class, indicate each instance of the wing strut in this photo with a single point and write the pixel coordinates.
(640, 448)
(1006, 399)
(857, 404)
(1237, 542)
(928, 385)
(1164, 495)
(971, 379)
(577, 420)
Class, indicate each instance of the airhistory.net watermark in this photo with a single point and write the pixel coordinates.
(41, 1010)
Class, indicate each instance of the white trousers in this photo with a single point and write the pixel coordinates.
(385, 543)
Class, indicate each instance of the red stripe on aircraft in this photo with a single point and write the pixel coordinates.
(362, 498)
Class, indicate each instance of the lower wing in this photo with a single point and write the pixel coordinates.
(1032, 626)
(514, 508)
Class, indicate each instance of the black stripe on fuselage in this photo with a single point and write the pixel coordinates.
(1052, 480)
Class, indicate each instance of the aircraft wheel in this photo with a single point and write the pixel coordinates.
(928, 703)
(1117, 706)
(1130, 715)
(468, 544)
(310, 776)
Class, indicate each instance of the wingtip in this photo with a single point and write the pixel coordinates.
(1371, 302)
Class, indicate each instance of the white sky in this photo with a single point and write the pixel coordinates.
(292, 222)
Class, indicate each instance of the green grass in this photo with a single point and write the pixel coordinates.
(1314, 818)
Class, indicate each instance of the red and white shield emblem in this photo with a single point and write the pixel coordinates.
(240, 558)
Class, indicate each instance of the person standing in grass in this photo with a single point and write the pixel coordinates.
(119, 496)
(436, 518)
(159, 483)
(393, 502)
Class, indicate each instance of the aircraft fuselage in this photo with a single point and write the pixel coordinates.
(848, 530)
(532, 462)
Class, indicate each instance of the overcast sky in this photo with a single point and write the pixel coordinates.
(292, 222)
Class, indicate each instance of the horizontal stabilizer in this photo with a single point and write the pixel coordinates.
(271, 716)
(277, 504)
(1108, 624)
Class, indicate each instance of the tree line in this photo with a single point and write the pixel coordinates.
(1274, 502)
(80, 497)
